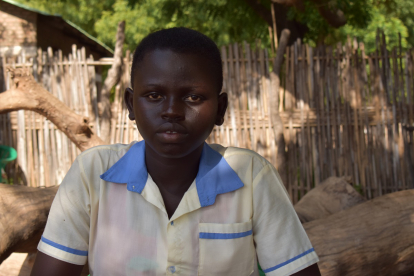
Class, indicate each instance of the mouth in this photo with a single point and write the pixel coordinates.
(172, 133)
(171, 137)
(172, 128)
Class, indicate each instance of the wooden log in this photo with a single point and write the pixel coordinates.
(372, 238)
(18, 264)
(21, 264)
(333, 195)
(23, 216)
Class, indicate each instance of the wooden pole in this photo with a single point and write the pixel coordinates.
(278, 128)
(114, 75)
(274, 26)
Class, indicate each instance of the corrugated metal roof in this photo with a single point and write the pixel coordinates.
(73, 25)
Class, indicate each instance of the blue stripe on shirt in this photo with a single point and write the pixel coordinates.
(64, 248)
(224, 236)
(288, 261)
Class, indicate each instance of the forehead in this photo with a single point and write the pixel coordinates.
(166, 66)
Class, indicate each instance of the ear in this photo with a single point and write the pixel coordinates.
(129, 101)
(222, 107)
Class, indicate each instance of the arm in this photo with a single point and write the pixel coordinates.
(282, 246)
(46, 265)
(65, 240)
(312, 270)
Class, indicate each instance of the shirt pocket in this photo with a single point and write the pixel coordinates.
(226, 249)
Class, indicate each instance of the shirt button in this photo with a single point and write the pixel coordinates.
(133, 187)
(172, 222)
(171, 269)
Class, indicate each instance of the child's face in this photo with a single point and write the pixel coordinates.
(175, 102)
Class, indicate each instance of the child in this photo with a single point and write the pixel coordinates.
(171, 204)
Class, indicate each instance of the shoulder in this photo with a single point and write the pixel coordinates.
(97, 160)
(246, 163)
(234, 152)
(106, 149)
(104, 153)
(84, 174)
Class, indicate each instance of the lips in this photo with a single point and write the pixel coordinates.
(172, 133)
(172, 128)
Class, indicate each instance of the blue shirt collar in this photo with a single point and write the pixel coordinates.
(214, 177)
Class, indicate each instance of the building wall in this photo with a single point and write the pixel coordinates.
(18, 29)
(23, 31)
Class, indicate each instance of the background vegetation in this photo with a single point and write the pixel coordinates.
(237, 20)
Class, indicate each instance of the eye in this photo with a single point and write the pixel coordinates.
(193, 98)
(154, 96)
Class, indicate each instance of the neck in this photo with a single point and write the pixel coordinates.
(173, 174)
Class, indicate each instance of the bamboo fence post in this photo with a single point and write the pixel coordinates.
(250, 94)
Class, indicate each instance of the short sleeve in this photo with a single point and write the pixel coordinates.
(282, 246)
(66, 236)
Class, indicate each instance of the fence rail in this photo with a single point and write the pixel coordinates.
(345, 113)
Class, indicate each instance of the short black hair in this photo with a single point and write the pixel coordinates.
(180, 40)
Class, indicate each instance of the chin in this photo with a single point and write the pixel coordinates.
(175, 150)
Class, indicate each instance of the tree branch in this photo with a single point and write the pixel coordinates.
(335, 18)
(27, 94)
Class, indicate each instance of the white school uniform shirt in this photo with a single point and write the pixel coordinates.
(109, 212)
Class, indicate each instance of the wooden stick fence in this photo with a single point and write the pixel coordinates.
(345, 113)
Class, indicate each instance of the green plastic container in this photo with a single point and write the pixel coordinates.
(7, 154)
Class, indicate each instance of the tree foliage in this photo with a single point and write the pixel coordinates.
(390, 25)
(224, 21)
(228, 21)
(83, 13)
(403, 11)
(364, 18)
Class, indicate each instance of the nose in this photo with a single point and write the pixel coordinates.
(173, 110)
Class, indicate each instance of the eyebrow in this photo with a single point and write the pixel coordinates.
(159, 85)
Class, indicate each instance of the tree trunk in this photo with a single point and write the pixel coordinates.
(372, 238)
(114, 75)
(27, 94)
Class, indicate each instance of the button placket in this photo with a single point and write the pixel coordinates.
(174, 248)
